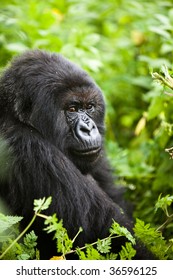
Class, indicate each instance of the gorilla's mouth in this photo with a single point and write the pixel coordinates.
(88, 152)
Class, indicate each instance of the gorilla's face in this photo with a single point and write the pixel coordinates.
(84, 112)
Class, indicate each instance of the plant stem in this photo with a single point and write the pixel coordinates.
(20, 236)
(170, 218)
(92, 244)
(164, 78)
(42, 216)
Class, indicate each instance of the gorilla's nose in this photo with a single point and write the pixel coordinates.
(87, 130)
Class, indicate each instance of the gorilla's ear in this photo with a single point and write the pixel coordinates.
(13, 98)
(23, 108)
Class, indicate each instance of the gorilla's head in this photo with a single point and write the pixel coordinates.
(57, 99)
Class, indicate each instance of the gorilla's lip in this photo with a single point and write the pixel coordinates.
(88, 152)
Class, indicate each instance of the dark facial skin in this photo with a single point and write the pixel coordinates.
(81, 118)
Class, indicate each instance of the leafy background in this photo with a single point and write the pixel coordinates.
(118, 42)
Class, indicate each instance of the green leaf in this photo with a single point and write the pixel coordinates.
(156, 107)
(7, 221)
(30, 239)
(81, 254)
(127, 252)
(164, 202)
(143, 230)
(116, 229)
(92, 253)
(164, 78)
(24, 257)
(42, 204)
(64, 243)
(104, 246)
(152, 238)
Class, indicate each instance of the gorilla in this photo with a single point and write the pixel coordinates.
(52, 120)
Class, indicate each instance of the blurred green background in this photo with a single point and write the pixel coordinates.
(118, 42)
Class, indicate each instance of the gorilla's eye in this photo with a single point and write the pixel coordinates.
(90, 107)
(72, 109)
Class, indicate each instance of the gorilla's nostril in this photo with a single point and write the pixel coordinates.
(85, 130)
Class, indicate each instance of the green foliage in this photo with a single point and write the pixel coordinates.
(99, 250)
(10, 247)
(164, 202)
(164, 78)
(121, 231)
(42, 204)
(153, 240)
(104, 246)
(127, 252)
(28, 247)
(6, 226)
(8, 232)
(21, 251)
(64, 244)
(90, 254)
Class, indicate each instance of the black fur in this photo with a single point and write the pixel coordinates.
(34, 92)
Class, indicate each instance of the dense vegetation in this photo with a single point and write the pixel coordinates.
(119, 42)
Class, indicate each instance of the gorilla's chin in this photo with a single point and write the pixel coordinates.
(85, 160)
